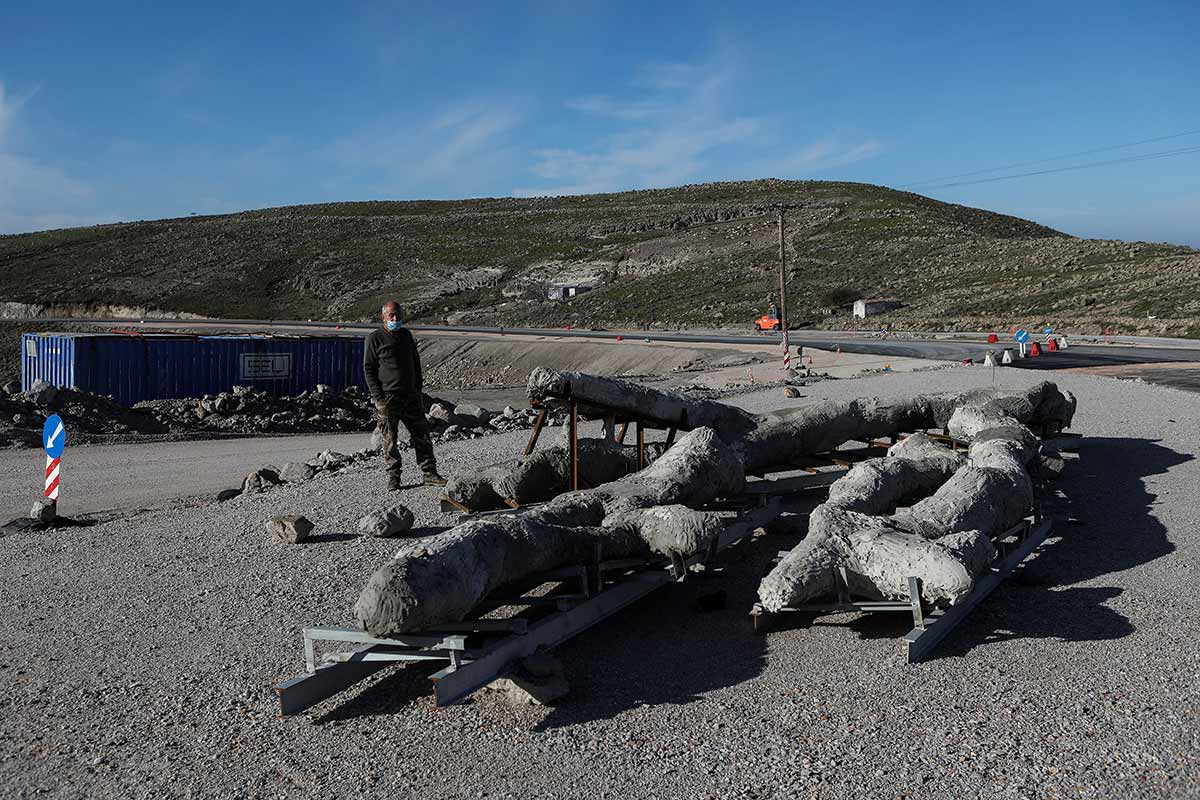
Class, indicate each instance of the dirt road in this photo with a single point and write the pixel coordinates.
(108, 478)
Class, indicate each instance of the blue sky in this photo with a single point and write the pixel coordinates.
(113, 111)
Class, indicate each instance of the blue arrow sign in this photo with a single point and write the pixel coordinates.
(1049, 330)
(1021, 336)
(54, 436)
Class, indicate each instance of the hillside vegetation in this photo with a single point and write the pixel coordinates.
(703, 255)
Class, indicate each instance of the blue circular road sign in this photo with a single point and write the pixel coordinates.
(54, 436)
(1021, 336)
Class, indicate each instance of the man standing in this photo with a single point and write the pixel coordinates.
(392, 367)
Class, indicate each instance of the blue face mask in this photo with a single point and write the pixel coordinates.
(391, 325)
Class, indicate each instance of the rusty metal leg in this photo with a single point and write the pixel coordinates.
(574, 445)
(537, 431)
(621, 433)
(670, 437)
(641, 445)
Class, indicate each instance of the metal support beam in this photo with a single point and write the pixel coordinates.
(537, 430)
(921, 641)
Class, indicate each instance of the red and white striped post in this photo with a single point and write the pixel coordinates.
(52, 470)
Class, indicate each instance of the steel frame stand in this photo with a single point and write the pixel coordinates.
(477, 651)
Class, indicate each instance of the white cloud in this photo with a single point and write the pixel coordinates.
(678, 124)
(451, 149)
(669, 136)
(35, 195)
(825, 154)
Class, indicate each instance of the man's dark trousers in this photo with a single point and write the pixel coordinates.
(403, 409)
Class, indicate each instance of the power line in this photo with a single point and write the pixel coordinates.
(1126, 159)
(1051, 158)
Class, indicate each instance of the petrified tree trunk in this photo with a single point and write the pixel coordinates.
(943, 538)
(442, 578)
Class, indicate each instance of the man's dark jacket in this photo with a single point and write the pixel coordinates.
(391, 364)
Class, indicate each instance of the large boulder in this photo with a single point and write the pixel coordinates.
(12, 387)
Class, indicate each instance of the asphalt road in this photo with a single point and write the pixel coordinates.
(971, 346)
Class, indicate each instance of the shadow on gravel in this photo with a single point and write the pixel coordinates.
(676, 645)
(331, 537)
(1118, 531)
(390, 694)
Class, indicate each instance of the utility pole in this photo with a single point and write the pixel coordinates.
(783, 315)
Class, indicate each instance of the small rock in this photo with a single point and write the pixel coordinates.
(332, 460)
(43, 510)
(441, 411)
(295, 472)
(791, 391)
(324, 388)
(259, 481)
(395, 520)
(1049, 466)
(42, 393)
(376, 444)
(538, 680)
(477, 413)
(12, 387)
(509, 412)
(290, 528)
(227, 494)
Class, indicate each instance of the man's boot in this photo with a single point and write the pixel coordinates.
(432, 478)
(393, 483)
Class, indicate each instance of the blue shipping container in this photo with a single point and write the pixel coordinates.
(156, 367)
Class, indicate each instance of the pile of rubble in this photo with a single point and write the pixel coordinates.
(249, 410)
(22, 415)
(244, 410)
(464, 421)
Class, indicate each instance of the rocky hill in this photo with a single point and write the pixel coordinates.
(703, 255)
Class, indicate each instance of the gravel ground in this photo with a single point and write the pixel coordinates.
(137, 658)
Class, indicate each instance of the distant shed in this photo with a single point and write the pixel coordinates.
(161, 366)
(565, 292)
(868, 308)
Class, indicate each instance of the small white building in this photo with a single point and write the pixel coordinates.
(565, 292)
(869, 308)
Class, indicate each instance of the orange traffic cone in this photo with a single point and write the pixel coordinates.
(618, 338)
(1035, 350)
(1051, 345)
(993, 338)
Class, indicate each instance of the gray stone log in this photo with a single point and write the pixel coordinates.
(879, 554)
(445, 576)
(545, 473)
(780, 438)
(634, 398)
(943, 539)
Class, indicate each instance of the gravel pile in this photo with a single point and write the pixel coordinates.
(137, 657)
